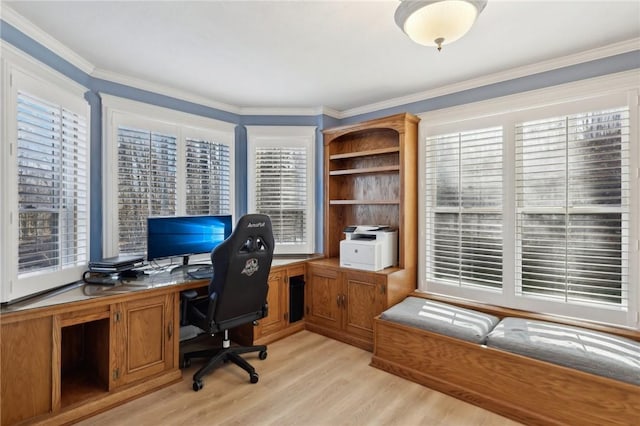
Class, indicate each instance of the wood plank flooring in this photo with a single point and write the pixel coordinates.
(307, 379)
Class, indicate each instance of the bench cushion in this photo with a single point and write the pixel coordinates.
(587, 350)
(442, 318)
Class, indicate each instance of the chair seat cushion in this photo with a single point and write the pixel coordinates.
(442, 318)
(587, 350)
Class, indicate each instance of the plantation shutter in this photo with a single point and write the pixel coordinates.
(146, 183)
(208, 177)
(464, 208)
(573, 207)
(281, 191)
(52, 186)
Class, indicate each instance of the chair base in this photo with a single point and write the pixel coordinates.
(221, 355)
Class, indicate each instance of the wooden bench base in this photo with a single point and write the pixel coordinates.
(521, 388)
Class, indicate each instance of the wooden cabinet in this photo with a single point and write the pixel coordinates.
(364, 297)
(144, 338)
(277, 324)
(370, 179)
(70, 361)
(26, 360)
(277, 299)
(342, 303)
(324, 294)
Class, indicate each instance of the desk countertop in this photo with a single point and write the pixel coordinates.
(153, 278)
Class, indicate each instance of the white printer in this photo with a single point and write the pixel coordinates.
(369, 247)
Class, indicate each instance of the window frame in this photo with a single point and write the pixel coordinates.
(589, 95)
(461, 210)
(20, 72)
(304, 136)
(117, 112)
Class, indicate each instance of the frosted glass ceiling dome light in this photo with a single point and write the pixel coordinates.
(439, 22)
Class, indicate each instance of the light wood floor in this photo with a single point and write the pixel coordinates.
(307, 379)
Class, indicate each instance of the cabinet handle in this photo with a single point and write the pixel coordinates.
(338, 300)
(170, 330)
(344, 301)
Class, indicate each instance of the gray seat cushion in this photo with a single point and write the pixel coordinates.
(587, 350)
(442, 318)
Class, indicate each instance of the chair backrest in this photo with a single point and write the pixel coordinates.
(241, 266)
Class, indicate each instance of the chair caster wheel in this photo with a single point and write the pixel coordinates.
(262, 355)
(186, 363)
(253, 377)
(197, 385)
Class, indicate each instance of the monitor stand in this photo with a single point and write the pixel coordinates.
(186, 265)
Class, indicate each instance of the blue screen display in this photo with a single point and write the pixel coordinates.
(185, 235)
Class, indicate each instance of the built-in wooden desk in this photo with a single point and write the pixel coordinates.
(68, 355)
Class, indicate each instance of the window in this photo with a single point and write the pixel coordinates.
(534, 208)
(46, 177)
(281, 174)
(208, 177)
(147, 166)
(573, 207)
(464, 208)
(168, 163)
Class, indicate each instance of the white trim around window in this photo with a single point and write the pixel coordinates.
(63, 157)
(281, 182)
(123, 113)
(619, 90)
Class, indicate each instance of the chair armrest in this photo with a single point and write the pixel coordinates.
(186, 297)
(213, 301)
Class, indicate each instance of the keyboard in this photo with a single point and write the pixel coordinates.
(201, 273)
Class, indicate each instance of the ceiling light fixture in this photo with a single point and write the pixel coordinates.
(437, 22)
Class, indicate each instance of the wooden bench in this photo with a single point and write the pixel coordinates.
(522, 388)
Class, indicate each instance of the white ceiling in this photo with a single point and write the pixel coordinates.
(298, 54)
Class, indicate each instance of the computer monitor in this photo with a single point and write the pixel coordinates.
(183, 236)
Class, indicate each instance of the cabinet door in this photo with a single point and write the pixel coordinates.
(363, 293)
(324, 306)
(145, 338)
(277, 318)
(26, 359)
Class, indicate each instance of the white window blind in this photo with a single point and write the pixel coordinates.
(281, 191)
(573, 207)
(170, 163)
(52, 186)
(280, 178)
(208, 177)
(147, 163)
(464, 208)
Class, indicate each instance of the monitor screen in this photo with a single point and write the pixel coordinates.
(185, 235)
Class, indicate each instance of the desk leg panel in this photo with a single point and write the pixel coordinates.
(26, 358)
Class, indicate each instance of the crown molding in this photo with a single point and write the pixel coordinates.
(31, 30)
(163, 114)
(302, 111)
(331, 112)
(278, 111)
(161, 89)
(35, 68)
(527, 70)
(28, 28)
(590, 88)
